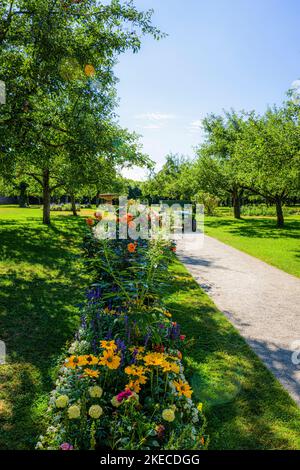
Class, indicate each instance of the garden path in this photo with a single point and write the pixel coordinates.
(262, 302)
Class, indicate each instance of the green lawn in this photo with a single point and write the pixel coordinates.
(245, 405)
(259, 237)
(40, 287)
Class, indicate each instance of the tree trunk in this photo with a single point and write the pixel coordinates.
(22, 196)
(279, 212)
(73, 205)
(236, 202)
(46, 197)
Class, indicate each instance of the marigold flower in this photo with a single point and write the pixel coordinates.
(183, 388)
(74, 412)
(95, 391)
(62, 401)
(95, 411)
(91, 373)
(168, 415)
(110, 360)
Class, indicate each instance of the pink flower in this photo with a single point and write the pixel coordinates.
(182, 337)
(66, 446)
(124, 395)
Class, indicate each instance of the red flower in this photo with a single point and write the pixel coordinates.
(182, 337)
(90, 222)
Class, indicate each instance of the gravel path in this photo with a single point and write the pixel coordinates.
(262, 302)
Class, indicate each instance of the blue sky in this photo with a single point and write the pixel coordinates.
(219, 54)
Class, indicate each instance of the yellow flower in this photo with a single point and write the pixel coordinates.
(95, 391)
(138, 372)
(110, 360)
(168, 415)
(91, 373)
(200, 407)
(183, 388)
(109, 345)
(95, 411)
(72, 362)
(62, 401)
(115, 402)
(74, 412)
(89, 360)
(134, 385)
(154, 359)
(171, 367)
(167, 314)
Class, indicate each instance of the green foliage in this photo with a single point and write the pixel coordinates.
(57, 62)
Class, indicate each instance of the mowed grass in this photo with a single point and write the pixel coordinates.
(246, 407)
(41, 285)
(259, 237)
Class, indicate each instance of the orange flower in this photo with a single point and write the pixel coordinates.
(89, 70)
(89, 222)
(131, 247)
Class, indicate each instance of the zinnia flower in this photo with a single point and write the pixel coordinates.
(74, 412)
(124, 395)
(62, 401)
(95, 391)
(168, 415)
(95, 411)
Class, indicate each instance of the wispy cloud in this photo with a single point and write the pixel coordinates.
(156, 117)
(196, 127)
(151, 126)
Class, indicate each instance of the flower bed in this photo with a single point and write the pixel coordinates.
(122, 386)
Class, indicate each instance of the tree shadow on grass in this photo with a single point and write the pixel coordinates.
(257, 227)
(245, 405)
(41, 287)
